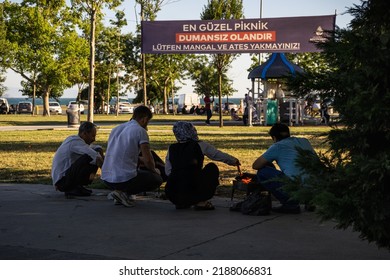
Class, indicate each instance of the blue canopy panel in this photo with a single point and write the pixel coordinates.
(277, 66)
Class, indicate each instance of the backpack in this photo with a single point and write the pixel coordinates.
(255, 204)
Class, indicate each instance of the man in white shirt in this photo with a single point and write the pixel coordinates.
(121, 169)
(76, 162)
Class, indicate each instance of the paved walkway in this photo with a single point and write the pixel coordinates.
(37, 222)
(65, 127)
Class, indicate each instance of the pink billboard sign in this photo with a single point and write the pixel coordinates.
(290, 34)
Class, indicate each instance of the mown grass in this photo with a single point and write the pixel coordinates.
(101, 120)
(27, 155)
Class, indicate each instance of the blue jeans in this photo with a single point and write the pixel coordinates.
(269, 178)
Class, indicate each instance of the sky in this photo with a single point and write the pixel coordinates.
(191, 10)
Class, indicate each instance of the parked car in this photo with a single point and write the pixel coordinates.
(125, 108)
(55, 108)
(25, 107)
(74, 105)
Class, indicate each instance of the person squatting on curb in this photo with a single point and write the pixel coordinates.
(76, 162)
(284, 152)
(189, 183)
(129, 167)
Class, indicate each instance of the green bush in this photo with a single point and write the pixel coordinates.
(351, 183)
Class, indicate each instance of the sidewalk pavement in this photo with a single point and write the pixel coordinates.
(36, 222)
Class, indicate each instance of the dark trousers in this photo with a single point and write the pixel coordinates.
(78, 174)
(269, 177)
(209, 114)
(186, 195)
(144, 181)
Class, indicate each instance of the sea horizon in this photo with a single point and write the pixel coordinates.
(65, 100)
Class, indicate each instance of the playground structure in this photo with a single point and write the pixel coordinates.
(274, 103)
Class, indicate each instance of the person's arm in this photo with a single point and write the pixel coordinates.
(147, 158)
(168, 165)
(215, 154)
(80, 147)
(261, 162)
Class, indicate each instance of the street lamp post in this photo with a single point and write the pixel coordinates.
(260, 54)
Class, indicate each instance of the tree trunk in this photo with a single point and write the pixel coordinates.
(144, 78)
(173, 99)
(91, 92)
(108, 92)
(220, 98)
(45, 98)
(34, 96)
(165, 101)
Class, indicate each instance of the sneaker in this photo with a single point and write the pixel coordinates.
(110, 197)
(122, 198)
(287, 209)
(117, 202)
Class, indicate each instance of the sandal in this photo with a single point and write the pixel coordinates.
(206, 206)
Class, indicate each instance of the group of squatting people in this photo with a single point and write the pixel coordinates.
(130, 167)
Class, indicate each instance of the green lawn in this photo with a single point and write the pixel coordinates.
(27, 155)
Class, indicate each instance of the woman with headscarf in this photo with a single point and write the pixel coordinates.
(189, 183)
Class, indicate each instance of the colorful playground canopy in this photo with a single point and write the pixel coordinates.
(277, 66)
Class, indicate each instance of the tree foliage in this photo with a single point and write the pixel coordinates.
(222, 9)
(93, 10)
(205, 76)
(162, 72)
(6, 47)
(40, 33)
(351, 183)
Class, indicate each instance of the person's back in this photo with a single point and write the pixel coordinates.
(76, 161)
(285, 153)
(189, 182)
(187, 161)
(120, 171)
(124, 154)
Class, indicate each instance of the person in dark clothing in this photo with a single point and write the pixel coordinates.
(325, 117)
(189, 183)
(208, 101)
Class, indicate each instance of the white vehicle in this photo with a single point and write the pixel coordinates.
(125, 108)
(74, 105)
(4, 106)
(55, 108)
(187, 100)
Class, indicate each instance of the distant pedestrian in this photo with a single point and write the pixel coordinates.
(325, 117)
(208, 101)
(247, 105)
